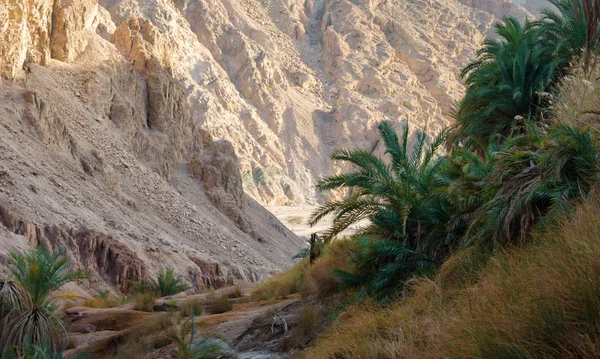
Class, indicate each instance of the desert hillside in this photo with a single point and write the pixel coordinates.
(141, 134)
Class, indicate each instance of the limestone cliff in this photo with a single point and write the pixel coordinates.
(132, 130)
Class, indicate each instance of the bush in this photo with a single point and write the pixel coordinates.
(280, 286)
(235, 292)
(191, 304)
(221, 305)
(145, 301)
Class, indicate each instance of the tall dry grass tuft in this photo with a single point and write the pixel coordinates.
(145, 301)
(578, 98)
(540, 301)
(321, 275)
(282, 285)
(221, 305)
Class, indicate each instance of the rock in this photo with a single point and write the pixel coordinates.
(25, 26)
(71, 27)
(304, 80)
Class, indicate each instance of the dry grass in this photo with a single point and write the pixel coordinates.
(221, 305)
(317, 279)
(297, 220)
(190, 304)
(235, 292)
(282, 285)
(320, 275)
(579, 100)
(540, 301)
(101, 303)
(145, 301)
(305, 329)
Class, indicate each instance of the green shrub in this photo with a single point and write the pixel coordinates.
(167, 283)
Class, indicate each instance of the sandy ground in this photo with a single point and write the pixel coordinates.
(291, 215)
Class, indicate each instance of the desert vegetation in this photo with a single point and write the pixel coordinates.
(481, 239)
(29, 324)
(509, 164)
(482, 242)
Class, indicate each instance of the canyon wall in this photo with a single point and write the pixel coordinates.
(140, 134)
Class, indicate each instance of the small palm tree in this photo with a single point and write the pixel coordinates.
(395, 197)
(564, 33)
(167, 283)
(205, 347)
(37, 274)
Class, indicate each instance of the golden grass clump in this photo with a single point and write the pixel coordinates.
(145, 301)
(282, 285)
(306, 327)
(235, 292)
(221, 305)
(578, 98)
(537, 301)
(321, 274)
(191, 304)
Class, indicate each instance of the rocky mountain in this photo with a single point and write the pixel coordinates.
(140, 134)
(534, 6)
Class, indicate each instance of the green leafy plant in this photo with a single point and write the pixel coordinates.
(167, 283)
(38, 274)
(404, 200)
(205, 347)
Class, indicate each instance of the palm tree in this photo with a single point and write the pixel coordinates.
(533, 176)
(169, 284)
(564, 33)
(507, 86)
(406, 203)
(38, 274)
(398, 198)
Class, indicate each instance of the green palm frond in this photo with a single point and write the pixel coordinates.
(39, 273)
(169, 284)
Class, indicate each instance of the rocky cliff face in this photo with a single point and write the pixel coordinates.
(132, 130)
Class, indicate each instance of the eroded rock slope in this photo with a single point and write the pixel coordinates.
(131, 131)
